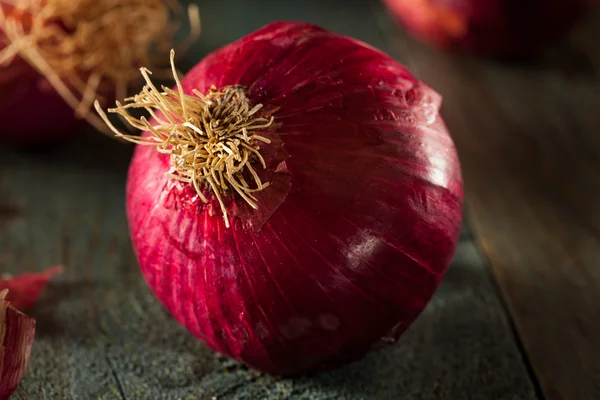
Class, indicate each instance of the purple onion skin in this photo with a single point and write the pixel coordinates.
(504, 28)
(19, 332)
(364, 222)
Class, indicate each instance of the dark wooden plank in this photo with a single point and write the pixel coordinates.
(102, 335)
(528, 138)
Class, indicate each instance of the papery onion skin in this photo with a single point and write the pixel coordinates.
(354, 248)
(490, 27)
(25, 289)
(17, 332)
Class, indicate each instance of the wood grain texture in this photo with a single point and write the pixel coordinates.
(102, 335)
(528, 137)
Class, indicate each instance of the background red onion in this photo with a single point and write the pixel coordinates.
(492, 27)
(354, 234)
(30, 110)
(70, 53)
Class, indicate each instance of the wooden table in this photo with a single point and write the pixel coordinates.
(517, 316)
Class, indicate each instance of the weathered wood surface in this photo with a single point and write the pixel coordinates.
(529, 139)
(102, 335)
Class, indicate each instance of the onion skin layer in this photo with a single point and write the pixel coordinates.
(359, 236)
(17, 332)
(25, 289)
(489, 27)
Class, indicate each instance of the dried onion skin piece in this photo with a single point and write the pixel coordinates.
(17, 332)
(24, 289)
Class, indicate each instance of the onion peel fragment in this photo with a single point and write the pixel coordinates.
(16, 337)
(212, 139)
(89, 49)
(24, 289)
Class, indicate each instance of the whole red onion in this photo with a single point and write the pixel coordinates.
(489, 27)
(353, 234)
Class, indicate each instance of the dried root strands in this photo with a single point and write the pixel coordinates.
(88, 49)
(212, 139)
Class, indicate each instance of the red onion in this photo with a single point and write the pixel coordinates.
(31, 110)
(347, 243)
(491, 27)
(56, 57)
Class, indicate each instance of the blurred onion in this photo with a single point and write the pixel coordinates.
(489, 27)
(57, 57)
